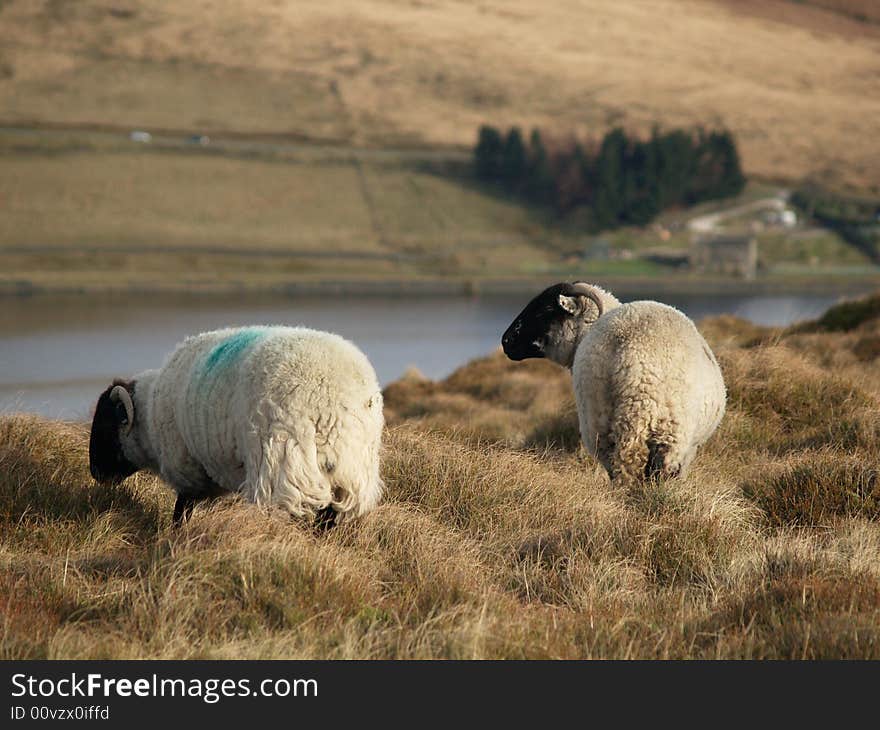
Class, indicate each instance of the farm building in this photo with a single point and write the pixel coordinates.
(725, 253)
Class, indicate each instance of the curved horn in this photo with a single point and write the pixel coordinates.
(585, 290)
(119, 393)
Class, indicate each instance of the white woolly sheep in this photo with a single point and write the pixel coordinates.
(649, 391)
(285, 416)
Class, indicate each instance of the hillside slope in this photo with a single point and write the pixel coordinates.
(799, 85)
(497, 538)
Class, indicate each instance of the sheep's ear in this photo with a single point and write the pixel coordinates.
(570, 304)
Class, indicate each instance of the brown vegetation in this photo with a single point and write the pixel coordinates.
(498, 537)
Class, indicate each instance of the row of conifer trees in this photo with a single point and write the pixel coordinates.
(622, 179)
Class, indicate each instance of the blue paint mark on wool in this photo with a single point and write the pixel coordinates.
(232, 348)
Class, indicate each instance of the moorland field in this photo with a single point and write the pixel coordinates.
(497, 538)
(311, 142)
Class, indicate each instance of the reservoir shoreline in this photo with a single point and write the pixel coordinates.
(441, 286)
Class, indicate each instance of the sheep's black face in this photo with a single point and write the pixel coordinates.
(107, 461)
(538, 329)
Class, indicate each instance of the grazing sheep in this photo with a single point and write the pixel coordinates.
(286, 416)
(649, 391)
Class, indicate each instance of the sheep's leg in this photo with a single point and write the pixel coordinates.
(186, 501)
(184, 505)
(596, 437)
(325, 519)
(629, 457)
(658, 465)
(605, 452)
(677, 461)
(192, 484)
(667, 457)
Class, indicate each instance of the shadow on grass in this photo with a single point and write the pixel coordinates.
(44, 474)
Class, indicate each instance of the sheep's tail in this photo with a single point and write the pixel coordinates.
(309, 467)
(350, 454)
(285, 473)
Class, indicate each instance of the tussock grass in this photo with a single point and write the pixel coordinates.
(498, 536)
(813, 488)
(844, 317)
(790, 403)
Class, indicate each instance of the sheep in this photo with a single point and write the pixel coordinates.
(648, 388)
(286, 416)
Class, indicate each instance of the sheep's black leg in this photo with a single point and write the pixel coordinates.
(325, 519)
(657, 468)
(206, 489)
(656, 461)
(183, 507)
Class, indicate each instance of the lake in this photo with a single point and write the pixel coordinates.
(56, 356)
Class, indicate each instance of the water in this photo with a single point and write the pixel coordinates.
(57, 356)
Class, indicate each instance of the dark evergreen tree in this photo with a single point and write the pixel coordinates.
(640, 184)
(540, 185)
(608, 202)
(717, 172)
(488, 153)
(514, 162)
(733, 179)
(571, 183)
(675, 162)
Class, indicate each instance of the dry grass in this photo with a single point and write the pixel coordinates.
(498, 538)
(797, 83)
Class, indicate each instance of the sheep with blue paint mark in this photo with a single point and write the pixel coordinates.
(286, 416)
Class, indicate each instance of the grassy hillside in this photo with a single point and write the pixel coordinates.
(798, 84)
(497, 537)
(94, 210)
